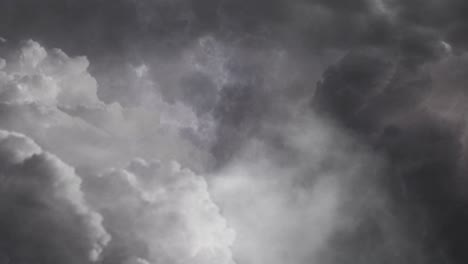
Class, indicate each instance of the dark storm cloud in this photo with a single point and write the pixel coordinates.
(94, 27)
(394, 89)
(311, 27)
(123, 26)
(378, 91)
(446, 17)
(100, 28)
(384, 101)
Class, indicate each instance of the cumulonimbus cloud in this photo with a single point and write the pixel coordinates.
(227, 87)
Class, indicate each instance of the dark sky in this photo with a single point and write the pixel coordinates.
(391, 74)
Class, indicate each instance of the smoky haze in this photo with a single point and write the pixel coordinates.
(233, 131)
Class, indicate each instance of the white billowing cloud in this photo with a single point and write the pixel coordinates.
(37, 75)
(166, 208)
(44, 214)
(53, 99)
(154, 212)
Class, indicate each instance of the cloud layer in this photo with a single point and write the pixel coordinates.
(316, 131)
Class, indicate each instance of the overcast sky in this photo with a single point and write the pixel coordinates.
(233, 131)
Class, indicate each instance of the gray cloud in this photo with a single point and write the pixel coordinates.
(45, 217)
(222, 86)
(407, 115)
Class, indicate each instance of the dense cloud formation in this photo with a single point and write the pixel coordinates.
(161, 212)
(288, 208)
(45, 218)
(416, 122)
(233, 131)
(52, 98)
